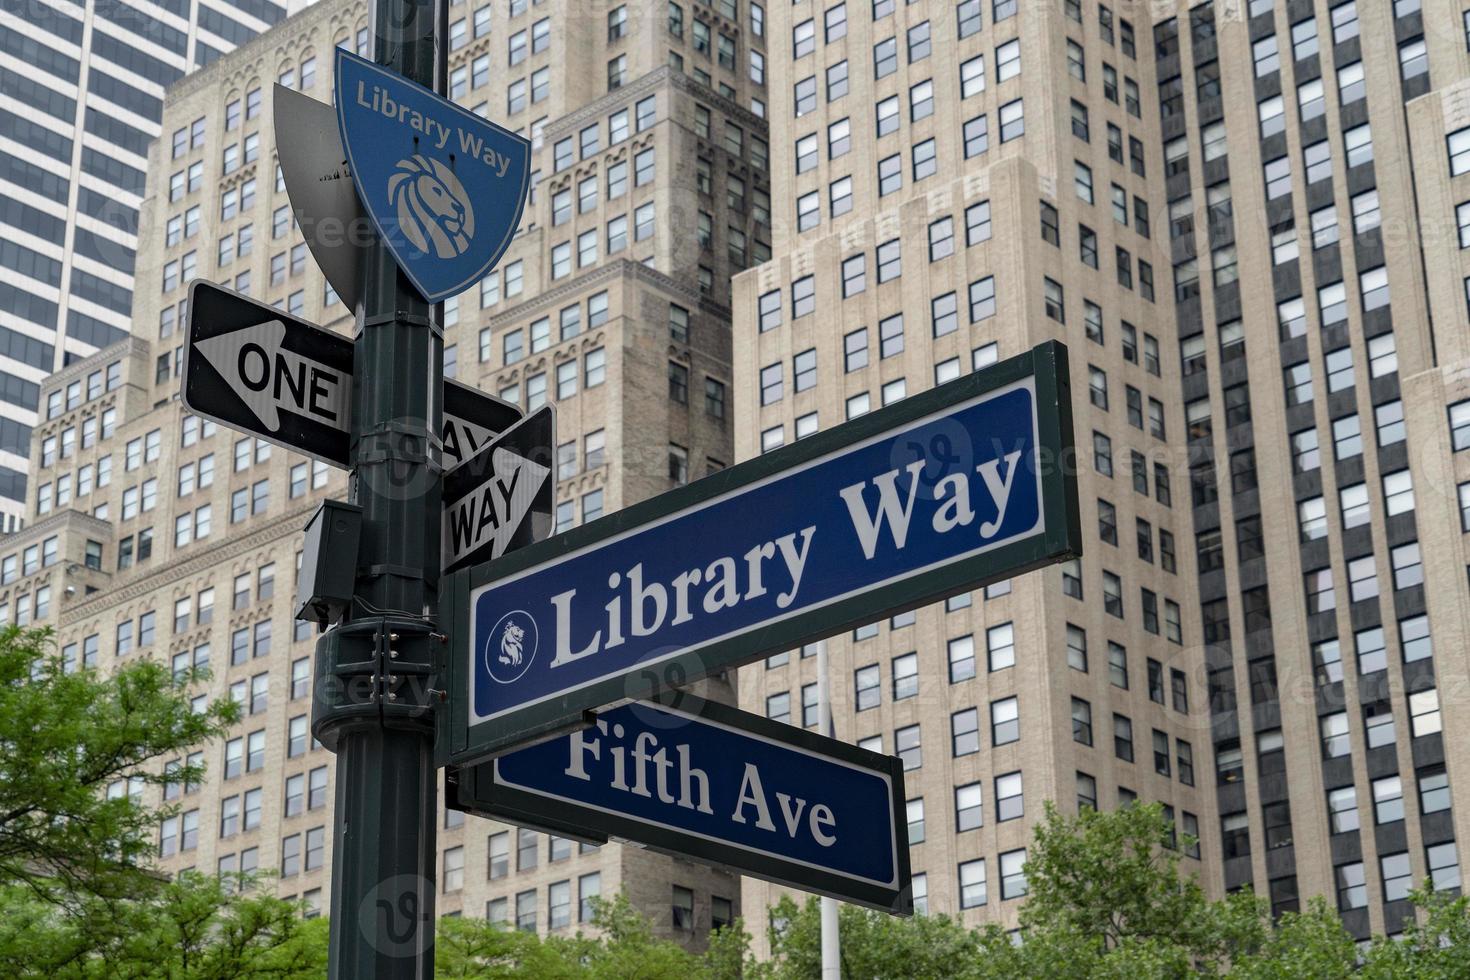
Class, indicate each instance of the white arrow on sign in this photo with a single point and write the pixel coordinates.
(268, 378)
(493, 511)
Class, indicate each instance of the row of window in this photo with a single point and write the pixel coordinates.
(924, 163)
(1118, 673)
(1082, 733)
(527, 850)
(92, 429)
(558, 898)
(1441, 863)
(79, 391)
(1112, 589)
(1387, 796)
(892, 391)
(592, 371)
(1378, 724)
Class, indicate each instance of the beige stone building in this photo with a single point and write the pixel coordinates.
(1211, 204)
(1246, 220)
(154, 533)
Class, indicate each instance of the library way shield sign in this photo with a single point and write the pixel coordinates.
(444, 188)
(966, 483)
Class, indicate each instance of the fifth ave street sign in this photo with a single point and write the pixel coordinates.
(963, 484)
(256, 369)
(715, 784)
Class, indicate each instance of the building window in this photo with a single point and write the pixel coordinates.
(972, 884)
(1005, 721)
(1081, 722)
(909, 748)
(1013, 874)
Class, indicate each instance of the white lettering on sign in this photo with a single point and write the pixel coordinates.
(493, 511)
(725, 581)
(648, 770)
(951, 493)
(268, 378)
(381, 101)
(462, 440)
(880, 508)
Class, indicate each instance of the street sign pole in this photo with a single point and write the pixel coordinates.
(831, 936)
(376, 672)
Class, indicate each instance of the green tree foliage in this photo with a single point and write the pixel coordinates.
(1107, 900)
(192, 928)
(624, 948)
(874, 944)
(79, 895)
(63, 739)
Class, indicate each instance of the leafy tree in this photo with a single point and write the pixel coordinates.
(474, 949)
(874, 944)
(79, 895)
(194, 927)
(1108, 900)
(625, 948)
(1114, 876)
(64, 737)
(1436, 949)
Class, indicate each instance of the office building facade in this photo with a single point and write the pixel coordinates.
(81, 98)
(1211, 204)
(156, 533)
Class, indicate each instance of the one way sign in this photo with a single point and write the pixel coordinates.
(256, 369)
(503, 497)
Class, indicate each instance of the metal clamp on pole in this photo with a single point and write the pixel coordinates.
(409, 659)
(379, 672)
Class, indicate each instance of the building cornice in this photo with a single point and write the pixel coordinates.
(67, 520)
(130, 346)
(661, 77)
(211, 557)
(555, 297)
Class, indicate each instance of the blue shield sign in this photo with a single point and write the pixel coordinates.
(444, 188)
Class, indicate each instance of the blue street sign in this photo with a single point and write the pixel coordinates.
(444, 187)
(709, 782)
(967, 483)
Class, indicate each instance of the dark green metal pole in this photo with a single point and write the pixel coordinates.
(377, 671)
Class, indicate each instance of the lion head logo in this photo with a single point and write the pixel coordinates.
(434, 211)
(510, 647)
(510, 644)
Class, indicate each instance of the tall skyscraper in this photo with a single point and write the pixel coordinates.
(81, 97)
(155, 533)
(1211, 204)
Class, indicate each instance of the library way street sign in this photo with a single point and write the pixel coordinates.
(444, 187)
(961, 485)
(257, 369)
(716, 784)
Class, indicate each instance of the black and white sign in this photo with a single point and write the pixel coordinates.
(472, 419)
(502, 498)
(257, 369)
